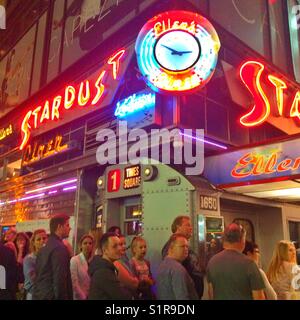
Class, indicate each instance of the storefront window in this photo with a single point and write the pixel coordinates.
(38, 57)
(247, 20)
(294, 229)
(1, 169)
(294, 26)
(90, 22)
(192, 113)
(15, 73)
(279, 54)
(55, 40)
(10, 167)
(13, 167)
(217, 120)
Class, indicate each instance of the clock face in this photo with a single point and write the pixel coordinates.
(177, 50)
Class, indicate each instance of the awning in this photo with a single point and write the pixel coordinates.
(264, 171)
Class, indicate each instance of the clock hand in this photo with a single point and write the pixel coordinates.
(183, 52)
(173, 50)
(180, 53)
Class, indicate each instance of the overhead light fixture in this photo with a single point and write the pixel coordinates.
(73, 187)
(70, 188)
(288, 193)
(22, 199)
(204, 140)
(52, 186)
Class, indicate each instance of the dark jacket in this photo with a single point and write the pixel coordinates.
(104, 282)
(53, 277)
(192, 266)
(9, 262)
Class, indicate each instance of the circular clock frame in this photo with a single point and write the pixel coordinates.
(163, 79)
(184, 69)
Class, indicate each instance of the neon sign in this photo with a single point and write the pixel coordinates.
(251, 74)
(166, 25)
(132, 177)
(252, 164)
(40, 151)
(134, 103)
(58, 184)
(113, 180)
(83, 95)
(177, 51)
(5, 132)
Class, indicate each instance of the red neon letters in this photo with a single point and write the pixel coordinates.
(166, 25)
(84, 94)
(114, 60)
(252, 165)
(251, 74)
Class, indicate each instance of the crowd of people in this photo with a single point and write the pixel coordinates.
(40, 266)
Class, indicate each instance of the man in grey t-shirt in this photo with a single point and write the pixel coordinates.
(230, 274)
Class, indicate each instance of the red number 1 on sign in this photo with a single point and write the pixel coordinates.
(113, 180)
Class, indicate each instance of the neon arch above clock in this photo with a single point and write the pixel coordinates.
(177, 51)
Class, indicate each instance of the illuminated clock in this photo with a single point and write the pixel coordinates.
(177, 50)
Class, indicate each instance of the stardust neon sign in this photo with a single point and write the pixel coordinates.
(83, 95)
(252, 73)
(134, 103)
(252, 164)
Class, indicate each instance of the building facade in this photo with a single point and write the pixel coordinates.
(82, 54)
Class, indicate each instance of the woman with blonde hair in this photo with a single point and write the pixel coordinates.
(281, 269)
(96, 233)
(37, 241)
(128, 280)
(79, 268)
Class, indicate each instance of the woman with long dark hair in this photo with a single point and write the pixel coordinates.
(22, 249)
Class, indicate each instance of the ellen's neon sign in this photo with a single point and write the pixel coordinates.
(167, 25)
(252, 165)
(40, 151)
(134, 103)
(82, 95)
(5, 132)
(251, 73)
